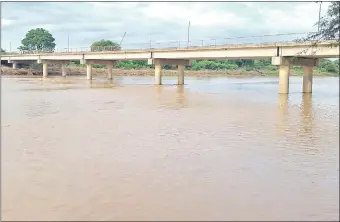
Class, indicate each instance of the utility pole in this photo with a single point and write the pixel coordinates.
(122, 39)
(68, 42)
(319, 17)
(120, 44)
(188, 34)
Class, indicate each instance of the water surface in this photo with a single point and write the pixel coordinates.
(214, 149)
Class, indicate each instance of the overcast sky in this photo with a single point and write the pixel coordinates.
(86, 22)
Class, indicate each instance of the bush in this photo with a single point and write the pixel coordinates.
(195, 67)
(323, 70)
(231, 66)
(98, 66)
(331, 67)
(271, 68)
(249, 68)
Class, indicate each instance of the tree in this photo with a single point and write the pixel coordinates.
(38, 39)
(105, 45)
(1, 50)
(329, 25)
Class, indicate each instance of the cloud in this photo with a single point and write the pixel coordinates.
(7, 22)
(199, 14)
(85, 22)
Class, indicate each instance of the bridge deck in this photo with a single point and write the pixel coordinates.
(241, 51)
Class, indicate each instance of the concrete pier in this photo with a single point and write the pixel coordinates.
(63, 70)
(14, 65)
(180, 80)
(284, 79)
(45, 70)
(158, 74)
(307, 79)
(109, 70)
(89, 72)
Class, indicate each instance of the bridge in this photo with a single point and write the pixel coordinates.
(282, 54)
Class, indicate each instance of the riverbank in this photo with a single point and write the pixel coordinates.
(75, 71)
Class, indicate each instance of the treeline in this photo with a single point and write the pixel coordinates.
(325, 65)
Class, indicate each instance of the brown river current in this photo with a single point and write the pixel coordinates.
(214, 149)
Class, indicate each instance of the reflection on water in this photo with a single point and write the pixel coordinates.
(306, 116)
(181, 97)
(283, 112)
(173, 97)
(213, 149)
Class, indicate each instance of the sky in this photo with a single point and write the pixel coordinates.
(82, 23)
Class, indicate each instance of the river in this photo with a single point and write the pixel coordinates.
(213, 149)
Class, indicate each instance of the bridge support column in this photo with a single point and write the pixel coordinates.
(45, 70)
(180, 80)
(89, 72)
(63, 70)
(284, 79)
(14, 65)
(109, 65)
(158, 74)
(307, 79)
(158, 68)
(109, 70)
(286, 62)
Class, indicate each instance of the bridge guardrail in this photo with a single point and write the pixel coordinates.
(182, 44)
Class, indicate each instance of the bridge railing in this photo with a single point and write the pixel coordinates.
(182, 44)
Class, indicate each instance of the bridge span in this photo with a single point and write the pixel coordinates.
(284, 55)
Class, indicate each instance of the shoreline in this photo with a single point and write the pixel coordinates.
(80, 71)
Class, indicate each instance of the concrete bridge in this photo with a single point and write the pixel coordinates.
(283, 55)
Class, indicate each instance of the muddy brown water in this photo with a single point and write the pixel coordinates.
(214, 149)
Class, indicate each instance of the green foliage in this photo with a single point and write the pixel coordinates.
(222, 64)
(105, 45)
(271, 68)
(2, 50)
(99, 66)
(329, 25)
(261, 63)
(244, 62)
(331, 67)
(127, 64)
(328, 66)
(231, 66)
(38, 39)
(264, 65)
